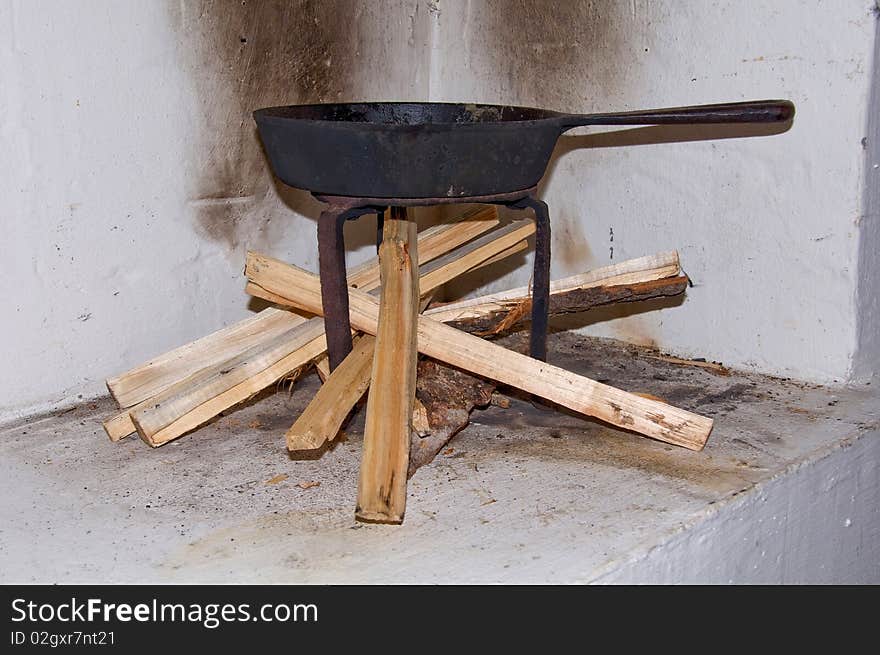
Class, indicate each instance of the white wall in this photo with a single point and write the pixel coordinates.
(867, 362)
(131, 178)
(768, 228)
(132, 181)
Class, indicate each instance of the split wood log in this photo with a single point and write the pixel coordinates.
(154, 415)
(189, 403)
(520, 247)
(328, 408)
(285, 367)
(156, 375)
(324, 370)
(173, 372)
(571, 301)
(632, 271)
(340, 392)
(448, 395)
(471, 255)
(581, 394)
(385, 454)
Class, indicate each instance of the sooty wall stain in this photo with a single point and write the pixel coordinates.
(565, 56)
(243, 55)
(555, 55)
(246, 54)
(570, 243)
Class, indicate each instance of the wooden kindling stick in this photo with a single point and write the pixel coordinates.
(581, 394)
(632, 271)
(385, 455)
(497, 321)
(203, 395)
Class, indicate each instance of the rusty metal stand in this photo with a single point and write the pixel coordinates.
(331, 260)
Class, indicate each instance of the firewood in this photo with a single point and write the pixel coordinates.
(631, 271)
(321, 420)
(503, 242)
(119, 426)
(510, 314)
(385, 455)
(172, 372)
(285, 367)
(447, 395)
(325, 413)
(520, 247)
(322, 364)
(475, 355)
(434, 242)
(160, 411)
(323, 417)
(156, 375)
(450, 395)
(191, 402)
(468, 256)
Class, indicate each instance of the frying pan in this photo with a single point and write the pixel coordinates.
(446, 150)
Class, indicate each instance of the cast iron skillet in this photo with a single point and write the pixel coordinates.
(443, 150)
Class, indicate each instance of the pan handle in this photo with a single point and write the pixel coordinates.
(758, 111)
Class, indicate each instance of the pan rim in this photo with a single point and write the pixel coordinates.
(275, 115)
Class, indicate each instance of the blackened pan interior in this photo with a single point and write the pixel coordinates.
(409, 113)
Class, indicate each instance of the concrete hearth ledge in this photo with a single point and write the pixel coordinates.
(787, 490)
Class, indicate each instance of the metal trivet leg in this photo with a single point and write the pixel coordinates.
(334, 281)
(540, 275)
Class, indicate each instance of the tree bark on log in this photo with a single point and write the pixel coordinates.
(448, 395)
(571, 302)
